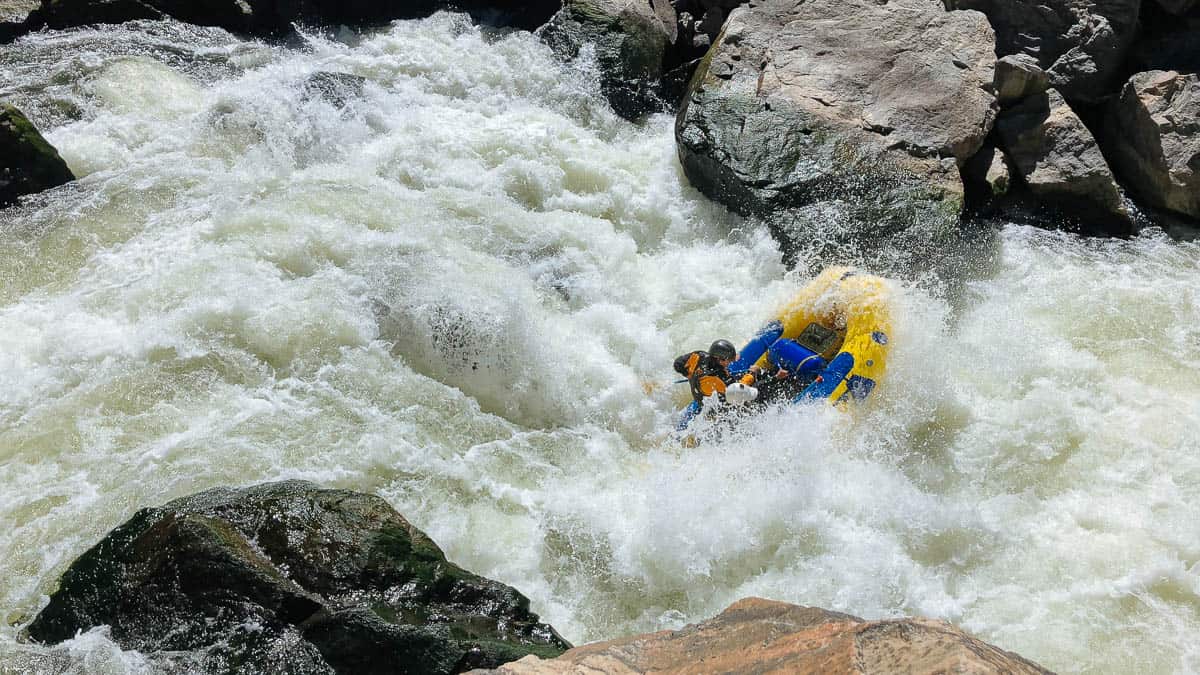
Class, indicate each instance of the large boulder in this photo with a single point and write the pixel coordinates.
(630, 39)
(762, 636)
(1153, 137)
(795, 117)
(1058, 159)
(28, 163)
(327, 580)
(1081, 43)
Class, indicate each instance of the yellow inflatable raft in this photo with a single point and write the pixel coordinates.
(835, 331)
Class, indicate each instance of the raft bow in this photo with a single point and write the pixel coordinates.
(837, 326)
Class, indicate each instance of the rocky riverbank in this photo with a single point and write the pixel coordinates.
(809, 117)
(289, 576)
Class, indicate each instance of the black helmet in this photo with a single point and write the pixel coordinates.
(722, 349)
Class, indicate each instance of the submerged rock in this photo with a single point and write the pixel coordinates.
(1154, 139)
(28, 163)
(630, 39)
(338, 89)
(1081, 43)
(329, 580)
(759, 636)
(794, 116)
(1059, 160)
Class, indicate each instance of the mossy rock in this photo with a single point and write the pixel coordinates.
(28, 163)
(332, 573)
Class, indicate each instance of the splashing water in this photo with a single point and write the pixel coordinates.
(453, 281)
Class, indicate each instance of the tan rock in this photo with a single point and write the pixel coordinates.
(1154, 138)
(1059, 159)
(998, 175)
(763, 636)
(1018, 76)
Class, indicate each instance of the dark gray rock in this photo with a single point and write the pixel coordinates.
(59, 14)
(1153, 137)
(631, 39)
(1019, 76)
(1058, 159)
(794, 116)
(1081, 44)
(333, 579)
(28, 163)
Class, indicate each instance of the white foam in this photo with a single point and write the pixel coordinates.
(463, 290)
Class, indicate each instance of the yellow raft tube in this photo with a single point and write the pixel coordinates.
(843, 318)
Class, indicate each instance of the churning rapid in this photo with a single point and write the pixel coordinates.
(459, 283)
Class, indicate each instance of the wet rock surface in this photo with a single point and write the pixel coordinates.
(329, 580)
(1154, 139)
(28, 163)
(758, 636)
(630, 39)
(794, 114)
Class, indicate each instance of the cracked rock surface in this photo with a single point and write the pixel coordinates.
(1081, 44)
(1060, 161)
(1154, 138)
(815, 114)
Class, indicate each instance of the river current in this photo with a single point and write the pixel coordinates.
(460, 286)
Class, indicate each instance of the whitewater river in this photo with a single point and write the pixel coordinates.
(462, 288)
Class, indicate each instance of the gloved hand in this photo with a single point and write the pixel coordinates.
(751, 376)
(739, 394)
